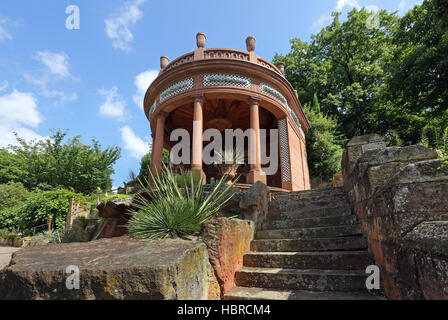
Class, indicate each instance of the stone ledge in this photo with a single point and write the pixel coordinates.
(368, 138)
(118, 268)
(430, 237)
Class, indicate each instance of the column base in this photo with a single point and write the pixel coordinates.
(198, 174)
(256, 175)
(287, 186)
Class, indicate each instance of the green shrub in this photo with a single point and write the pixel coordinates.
(322, 144)
(183, 179)
(10, 217)
(3, 232)
(171, 212)
(13, 194)
(44, 205)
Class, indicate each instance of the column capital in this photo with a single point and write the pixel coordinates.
(199, 98)
(253, 101)
(162, 116)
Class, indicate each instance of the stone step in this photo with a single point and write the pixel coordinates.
(310, 222)
(311, 193)
(306, 213)
(292, 204)
(317, 244)
(302, 279)
(332, 260)
(307, 233)
(252, 293)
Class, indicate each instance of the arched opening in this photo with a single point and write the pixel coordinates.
(222, 114)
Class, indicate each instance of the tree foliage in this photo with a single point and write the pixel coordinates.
(13, 194)
(416, 94)
(344, 65)
(388, 78)
(324, 149)
(34, 212)
(145, 163)
(51, 163)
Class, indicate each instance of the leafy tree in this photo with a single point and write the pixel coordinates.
(43, 205)
(323, 147)
(145, 163)
(13, 194)
(51, 164)
(416, 95)
(11, 168)
(344, 65)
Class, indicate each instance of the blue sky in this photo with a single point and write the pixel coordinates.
(92, 80)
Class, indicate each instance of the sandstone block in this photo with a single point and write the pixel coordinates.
(117, 268)
(227, 241)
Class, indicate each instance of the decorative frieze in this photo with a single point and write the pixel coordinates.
(177, 88)
(273, 93)
(226, 80)
(294, 117)
(151, 110)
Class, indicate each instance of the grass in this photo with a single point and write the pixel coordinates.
(173, 211)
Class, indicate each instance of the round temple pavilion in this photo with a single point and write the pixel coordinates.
(230, 89)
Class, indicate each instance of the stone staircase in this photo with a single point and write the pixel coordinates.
(311, 248)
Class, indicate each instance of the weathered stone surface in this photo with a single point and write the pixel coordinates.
(355, 149)
(118, 268)
(421, 172)
(227, 241)
(432, 276)
(114, 208)
(338, 180)
(366, 139)
(395, 192)
(116, 214)
(429, 237)
(402, 154)
(254, 204)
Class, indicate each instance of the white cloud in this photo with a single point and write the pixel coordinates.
(43, 82)
(347, 3)
(57, 63)
(4, 34)
(341, 6)
(118, 25)
(405, 5)
(17, 111)
(372, 8)
(4, 85)
(135, 145)
(142, 82)
(57, 67)
(321, 22)
(114, 106)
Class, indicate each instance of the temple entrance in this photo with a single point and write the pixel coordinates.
(222, 114)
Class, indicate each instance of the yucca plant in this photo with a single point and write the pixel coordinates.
(172, 211)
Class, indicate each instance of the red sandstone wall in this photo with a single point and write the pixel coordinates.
(299, 164)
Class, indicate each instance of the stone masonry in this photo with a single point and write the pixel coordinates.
(400, 195)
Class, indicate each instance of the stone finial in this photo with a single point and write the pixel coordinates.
(164, 61)
(200, 39)
(281, 67)
(250, 43)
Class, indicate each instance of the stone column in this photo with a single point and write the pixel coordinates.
(255, 173)
(196, 163)
(157, 146)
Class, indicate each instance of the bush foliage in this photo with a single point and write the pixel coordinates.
(172, 211)
(52, 164)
